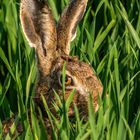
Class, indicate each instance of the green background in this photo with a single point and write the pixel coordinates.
(108, 37)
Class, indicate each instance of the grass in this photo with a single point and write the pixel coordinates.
(108, 38)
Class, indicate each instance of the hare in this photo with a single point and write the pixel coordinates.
(52, 46)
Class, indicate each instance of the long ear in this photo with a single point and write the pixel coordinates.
(68, 22)
(39, 28)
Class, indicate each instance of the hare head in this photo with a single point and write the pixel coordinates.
(52, 45)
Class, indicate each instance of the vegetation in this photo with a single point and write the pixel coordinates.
(108, 38)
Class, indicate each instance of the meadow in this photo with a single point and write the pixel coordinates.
(108, 38)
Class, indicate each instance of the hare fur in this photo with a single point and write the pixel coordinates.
(52, 45)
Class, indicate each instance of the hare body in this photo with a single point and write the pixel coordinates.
(52, 45)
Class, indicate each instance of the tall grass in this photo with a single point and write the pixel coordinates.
(108, 38)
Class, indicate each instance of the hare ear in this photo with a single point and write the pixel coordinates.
(66, 29)
(37, 21)
(39, 28)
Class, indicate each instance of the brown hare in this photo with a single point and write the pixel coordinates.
(52, 46)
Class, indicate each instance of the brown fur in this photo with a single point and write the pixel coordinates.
(52, 45)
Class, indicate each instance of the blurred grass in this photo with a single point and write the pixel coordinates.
(108, 38)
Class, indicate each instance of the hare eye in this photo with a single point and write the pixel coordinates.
(68, 80)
